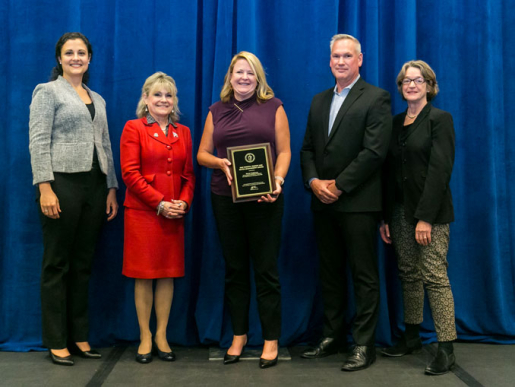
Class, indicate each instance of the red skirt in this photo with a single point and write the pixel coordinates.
(153, 245)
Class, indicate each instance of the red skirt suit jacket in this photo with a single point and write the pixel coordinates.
(155, 167)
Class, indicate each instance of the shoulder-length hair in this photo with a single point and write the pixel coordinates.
(263, 91)
(427, 73)
(155, 82)
(58, 69)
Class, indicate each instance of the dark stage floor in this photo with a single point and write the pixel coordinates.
(477, 365)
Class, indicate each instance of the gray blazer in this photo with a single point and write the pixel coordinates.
(62, 134)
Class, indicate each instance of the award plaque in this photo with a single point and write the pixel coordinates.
(252, 171)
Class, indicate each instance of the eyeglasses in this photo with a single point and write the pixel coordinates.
(417, 81)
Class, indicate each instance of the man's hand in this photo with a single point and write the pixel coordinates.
(332, 187)
(384, 230)
(323, 193)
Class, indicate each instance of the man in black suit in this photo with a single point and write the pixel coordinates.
(346, 141)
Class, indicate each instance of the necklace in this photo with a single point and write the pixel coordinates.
(411, 117)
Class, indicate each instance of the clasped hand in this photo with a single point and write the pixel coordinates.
(325, 190)
(174, 209)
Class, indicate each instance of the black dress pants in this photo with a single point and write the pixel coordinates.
(69, 246)
(348, 237)
(251, 231)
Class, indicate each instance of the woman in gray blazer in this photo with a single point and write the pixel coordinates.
(418, 209)
(73, 169)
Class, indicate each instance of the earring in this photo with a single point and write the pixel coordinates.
(146, 108)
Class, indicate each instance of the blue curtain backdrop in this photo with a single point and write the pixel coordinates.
(470, 45)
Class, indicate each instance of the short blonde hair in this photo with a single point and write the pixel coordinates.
(427, 73)
(263, 91)
(157, 81)
(337, 37)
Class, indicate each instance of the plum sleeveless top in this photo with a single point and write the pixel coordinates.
(241, 123)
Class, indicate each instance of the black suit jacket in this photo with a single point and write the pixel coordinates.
(355, 150)
(420, 162)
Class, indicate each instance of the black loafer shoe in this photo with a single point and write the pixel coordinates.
(360, 358)
(326, 347)
(441, 364)
(403, 347)
(145, 358)
(265, 363)
(64, 361)
(231, 359)
(165, 356)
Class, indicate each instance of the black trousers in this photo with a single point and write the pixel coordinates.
(251, 231)
(348, 237)
(69, 246)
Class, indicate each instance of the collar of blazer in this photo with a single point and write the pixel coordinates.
(155, 131)
(70, 90)
(355, 92)
(420, 118)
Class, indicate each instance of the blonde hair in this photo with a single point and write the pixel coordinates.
(263, 91)
(156, 81)
(335, 38)
(427, 73)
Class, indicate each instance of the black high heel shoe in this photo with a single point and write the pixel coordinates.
(165, 356)
(61, 360)
(265, 363)
(91, 354)
(144, 358)
(231, 359)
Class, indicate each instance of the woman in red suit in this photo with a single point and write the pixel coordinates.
(156, 158)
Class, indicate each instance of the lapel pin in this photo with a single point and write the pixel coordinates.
(156, 135)
(175, 134)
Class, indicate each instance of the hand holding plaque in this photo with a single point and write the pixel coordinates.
(252, 171)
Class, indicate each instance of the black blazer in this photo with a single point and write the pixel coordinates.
(355, 150)
(420, 162)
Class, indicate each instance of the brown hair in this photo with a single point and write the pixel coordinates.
(428, 74)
